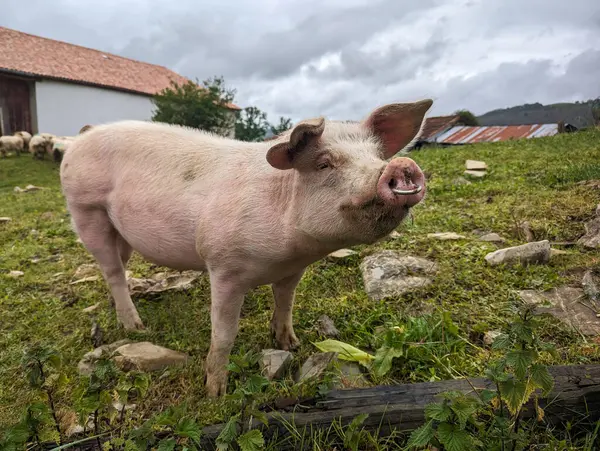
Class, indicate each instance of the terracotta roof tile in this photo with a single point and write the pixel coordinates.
(47, 58)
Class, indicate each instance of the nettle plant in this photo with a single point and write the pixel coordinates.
(492, 419)
(249, 386)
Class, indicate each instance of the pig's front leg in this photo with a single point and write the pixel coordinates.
(227, 296)
(281, 322)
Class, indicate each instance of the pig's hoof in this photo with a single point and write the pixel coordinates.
(287, 341)
(131, 322)
(216, 386)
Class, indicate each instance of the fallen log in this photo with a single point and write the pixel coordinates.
(576, 394)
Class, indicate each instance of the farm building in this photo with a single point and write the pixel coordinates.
(448, 130)
(57, 87)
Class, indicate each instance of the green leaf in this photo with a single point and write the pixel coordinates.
(166, 444)
(438, 411)
(345, 351)
(520, 360)
(141, 383)
(383, 359)
(502, 341)
(487, 395)
(228, 433)
(541, 377)
(453, 438)
(421, 436)
(513, 393)
(256, 383)
(260, 416)
(463, 410)
(188, 428)
(251, 441)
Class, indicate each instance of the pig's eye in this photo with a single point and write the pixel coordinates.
(323, 165)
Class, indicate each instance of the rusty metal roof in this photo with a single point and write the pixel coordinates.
(462, 134)
(436, 124)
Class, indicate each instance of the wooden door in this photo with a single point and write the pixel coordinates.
(15, 104)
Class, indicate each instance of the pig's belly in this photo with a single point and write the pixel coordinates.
(163, 236)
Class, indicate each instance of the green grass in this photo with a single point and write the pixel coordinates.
(533, 180)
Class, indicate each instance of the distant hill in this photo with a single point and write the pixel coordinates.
(581, 115)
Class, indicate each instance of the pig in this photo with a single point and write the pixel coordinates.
(249, 214)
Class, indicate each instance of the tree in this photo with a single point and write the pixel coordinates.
(285, 123)
(251, 125)
(189, 104)
(467, 118)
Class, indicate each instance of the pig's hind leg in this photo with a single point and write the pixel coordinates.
(111, 252)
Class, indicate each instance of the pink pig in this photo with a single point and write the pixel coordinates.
(248, 213)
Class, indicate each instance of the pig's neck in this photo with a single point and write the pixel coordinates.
(292, 206)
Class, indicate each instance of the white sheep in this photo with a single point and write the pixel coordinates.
(40, 145)
(11, 144)
(60, 144)
(26, 137)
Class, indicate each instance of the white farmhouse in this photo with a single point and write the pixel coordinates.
(49, 86)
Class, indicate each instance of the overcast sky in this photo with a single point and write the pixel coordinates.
(342, 58)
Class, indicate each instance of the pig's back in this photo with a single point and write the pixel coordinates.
(154, 180)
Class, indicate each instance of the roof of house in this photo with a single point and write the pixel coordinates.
(436, 124)
(462, 134)
(26, 54)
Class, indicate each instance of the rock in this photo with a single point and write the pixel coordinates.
(538, 252)
(461, 181)
(445, 236)
(34, 232)
(390, 273)
(5, 219)
(91, 308)
(351, 376)
(474, 165)
(342, 253)
(590, 287)
(492, 238)
(326, 327)
(567, 305)
(591, 239)
(87, 363)
(274, 362)
(315, 366)
(119, 407)
(478, 174)
(490, 336)
(145, 356)
(16, 274)
(394, 235)
(160, 282)
(597, 212)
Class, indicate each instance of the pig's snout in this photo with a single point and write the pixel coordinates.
(402, 183)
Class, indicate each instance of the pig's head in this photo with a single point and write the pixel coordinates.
(346, 190)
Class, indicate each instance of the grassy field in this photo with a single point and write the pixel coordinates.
(529, 180)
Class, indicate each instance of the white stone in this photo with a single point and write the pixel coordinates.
(537, 252)
(145, 356)
(490, 336)
(274, 362)
(5, 219)
(591, 239)
(91, 308)
(316, 365)
(16, 274)
(492, 238)
(391, 273)
(474, 165)
(342, 253)
(446, 236)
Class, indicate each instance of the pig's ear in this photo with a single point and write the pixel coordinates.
(397, 124)
(281, 156)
